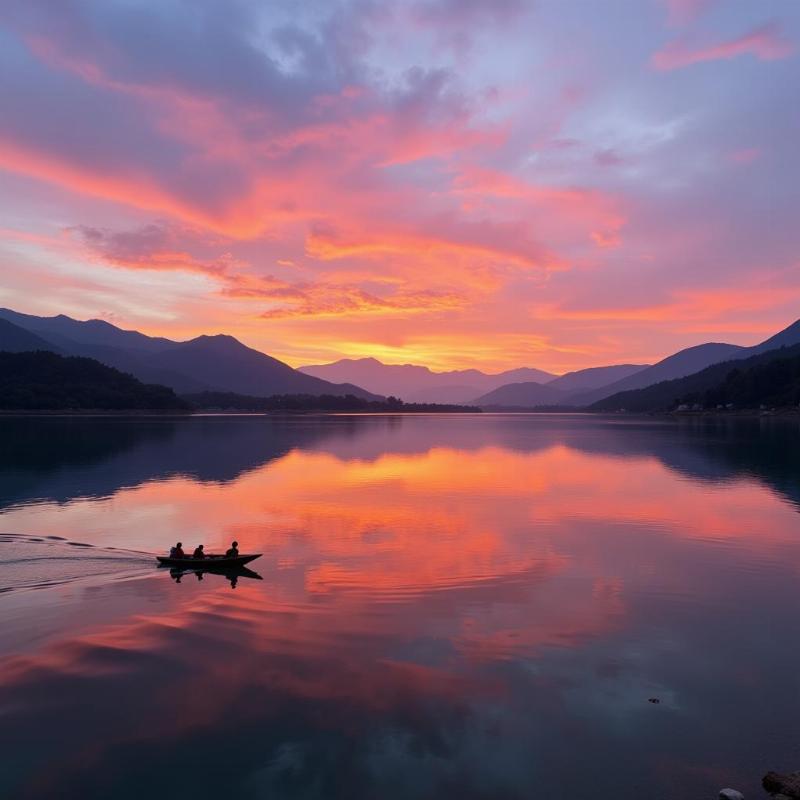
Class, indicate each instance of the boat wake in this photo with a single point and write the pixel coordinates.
(33, 562)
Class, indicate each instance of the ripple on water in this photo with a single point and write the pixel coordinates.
(32, 562)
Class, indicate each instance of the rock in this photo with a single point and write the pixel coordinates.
(777, 783)
(730, 794)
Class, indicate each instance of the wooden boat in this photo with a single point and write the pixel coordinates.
(209, 562)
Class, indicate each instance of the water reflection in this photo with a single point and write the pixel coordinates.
(63, 458)
(471, 607)
(231, 575)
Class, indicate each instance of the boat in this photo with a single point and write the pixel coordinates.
(209, 562)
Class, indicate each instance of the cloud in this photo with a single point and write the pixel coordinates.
(161, 247)
(766, 43)
(153, 246)
(324, 300)
(423, 175)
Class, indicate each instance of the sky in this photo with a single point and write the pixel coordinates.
(454, 183)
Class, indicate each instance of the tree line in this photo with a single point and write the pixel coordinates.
(230, 401)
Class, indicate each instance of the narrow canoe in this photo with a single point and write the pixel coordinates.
(209, 562)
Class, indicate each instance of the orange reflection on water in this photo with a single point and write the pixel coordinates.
(415, 522)
(414, 592)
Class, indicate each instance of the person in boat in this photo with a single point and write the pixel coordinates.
(177, 551)
(198, 552)
(232, 551)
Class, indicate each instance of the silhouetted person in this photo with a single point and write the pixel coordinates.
(232, 551)
(177, 551)
(198, 552)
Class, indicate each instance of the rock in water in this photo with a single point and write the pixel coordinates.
(730, 794)
(788, 785)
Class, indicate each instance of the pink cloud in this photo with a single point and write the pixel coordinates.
(426, 197)
(766, 43)
(568, 214)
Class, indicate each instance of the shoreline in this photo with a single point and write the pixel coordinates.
(778, 413)
(220, 413)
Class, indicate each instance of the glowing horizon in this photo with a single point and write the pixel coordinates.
(450, 183)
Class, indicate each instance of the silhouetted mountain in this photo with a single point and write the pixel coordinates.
(744, 382)
(594, 377)
(689, 361)
(47, 381)
(684, 362)
(521, 395)
(420, 383)
(520, 375)
(87, 332)
(589, 386)
(222, 361)
(788, 337)
(773, 383)
(14, 339)
(207, 363)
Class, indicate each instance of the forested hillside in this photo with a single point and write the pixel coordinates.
(45, 381)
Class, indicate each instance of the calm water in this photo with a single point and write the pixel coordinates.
(465, 607)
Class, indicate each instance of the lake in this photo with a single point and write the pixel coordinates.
(477, 606)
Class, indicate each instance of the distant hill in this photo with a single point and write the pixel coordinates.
(774, 382)
(223, 361)
(788, 337)
(689, 361)
(584, 380)
(46, 381)
(717, 384)
(590, 386)
(528, 394)
(14, 339)
(684, 362)
(86, 332)
(519, 375)
(410, 381)
(206, 363)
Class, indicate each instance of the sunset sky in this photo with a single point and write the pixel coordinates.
(456, 183)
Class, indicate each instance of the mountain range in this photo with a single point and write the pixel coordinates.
(528, 387)
(771, 376)
(220, 363)
(206, 363)
(420, 384)
(620, 393)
